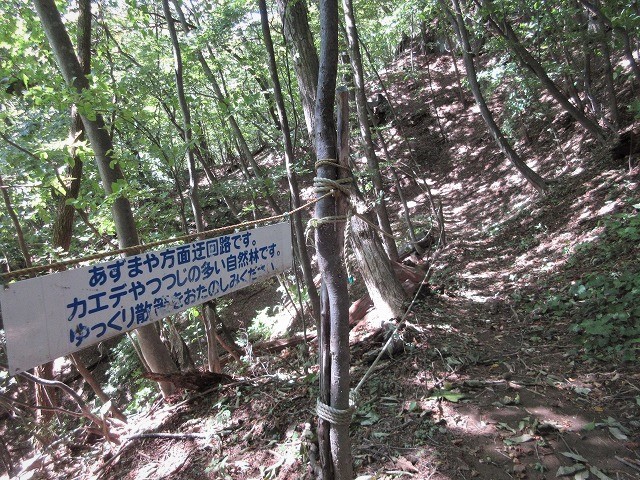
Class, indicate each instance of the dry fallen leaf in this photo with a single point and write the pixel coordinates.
(405, 465)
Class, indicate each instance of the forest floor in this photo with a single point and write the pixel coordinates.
(493, 382)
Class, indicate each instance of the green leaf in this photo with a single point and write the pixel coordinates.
(574, 456)
(582, 390)
(617, 433)
(572, 470)
(454, 397)
(599, 474)
(506, 427)
(370, 418)
(517, 440)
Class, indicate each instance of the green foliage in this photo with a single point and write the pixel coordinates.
(603, 305)
(634, 107)
(125, 378)
(263, 324)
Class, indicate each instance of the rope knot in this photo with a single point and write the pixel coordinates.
(334, 415)
(326, 185)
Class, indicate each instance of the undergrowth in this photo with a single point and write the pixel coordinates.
(603, 305)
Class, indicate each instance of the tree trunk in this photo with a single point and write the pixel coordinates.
(208, 313)
(186, 118)
(295, 23)
(22, 243)
(624, 34)
(209, 319)
(63, 223)
(328, 239)
(96, 387)
(292, 178)
(237, 133)
(603, 37)
(503, 28)
(365, 132)
(457, 22)
(155, 352)
(42, 396)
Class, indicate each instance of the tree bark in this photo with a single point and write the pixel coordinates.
(328, 239)
(208, 311)
(457, 22)
(295, 23)
(63, 223)
(155, 352)
(24, 249)
(365, 132)
(186, 118)
(504, 29)
(237, 133)
(624, 34)
(289, 160)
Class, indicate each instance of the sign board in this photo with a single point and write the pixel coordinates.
(57, 314)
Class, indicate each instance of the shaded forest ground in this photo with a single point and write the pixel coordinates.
(493, 382)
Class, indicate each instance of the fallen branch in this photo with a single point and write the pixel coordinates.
(173, 436)
(86, 411)
(628, 463)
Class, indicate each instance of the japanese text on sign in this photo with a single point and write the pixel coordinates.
(70, 310)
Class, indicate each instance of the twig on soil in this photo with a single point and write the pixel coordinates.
(173, 436)
(628, 463)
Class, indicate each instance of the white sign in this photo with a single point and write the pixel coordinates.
(57, 314)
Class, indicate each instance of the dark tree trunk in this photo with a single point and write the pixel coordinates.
(504, 29)
(63, 223)
(303, 255)
(186, 118)
(328, 240)
(237, 133)
(295, 22)
(155, 352)
(457, 22)
(624, 34)
(208, 310)
(365, 132)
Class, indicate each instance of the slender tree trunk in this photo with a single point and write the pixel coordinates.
(603, 37)
(155, 352)
(292, 178)
(63, 223)
(209, 319)
(208, 311)
(457, 22)
(186, 118)
(42, 396)
(624, 34)
(22, 243)
(365, 132)
(295, 22)
(504, 29)
(237, 133)
(96, 387)
(328, 239)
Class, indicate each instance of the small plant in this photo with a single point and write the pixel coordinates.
(219, 467)
(604, 304)
(125, 378)
(609, 312)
